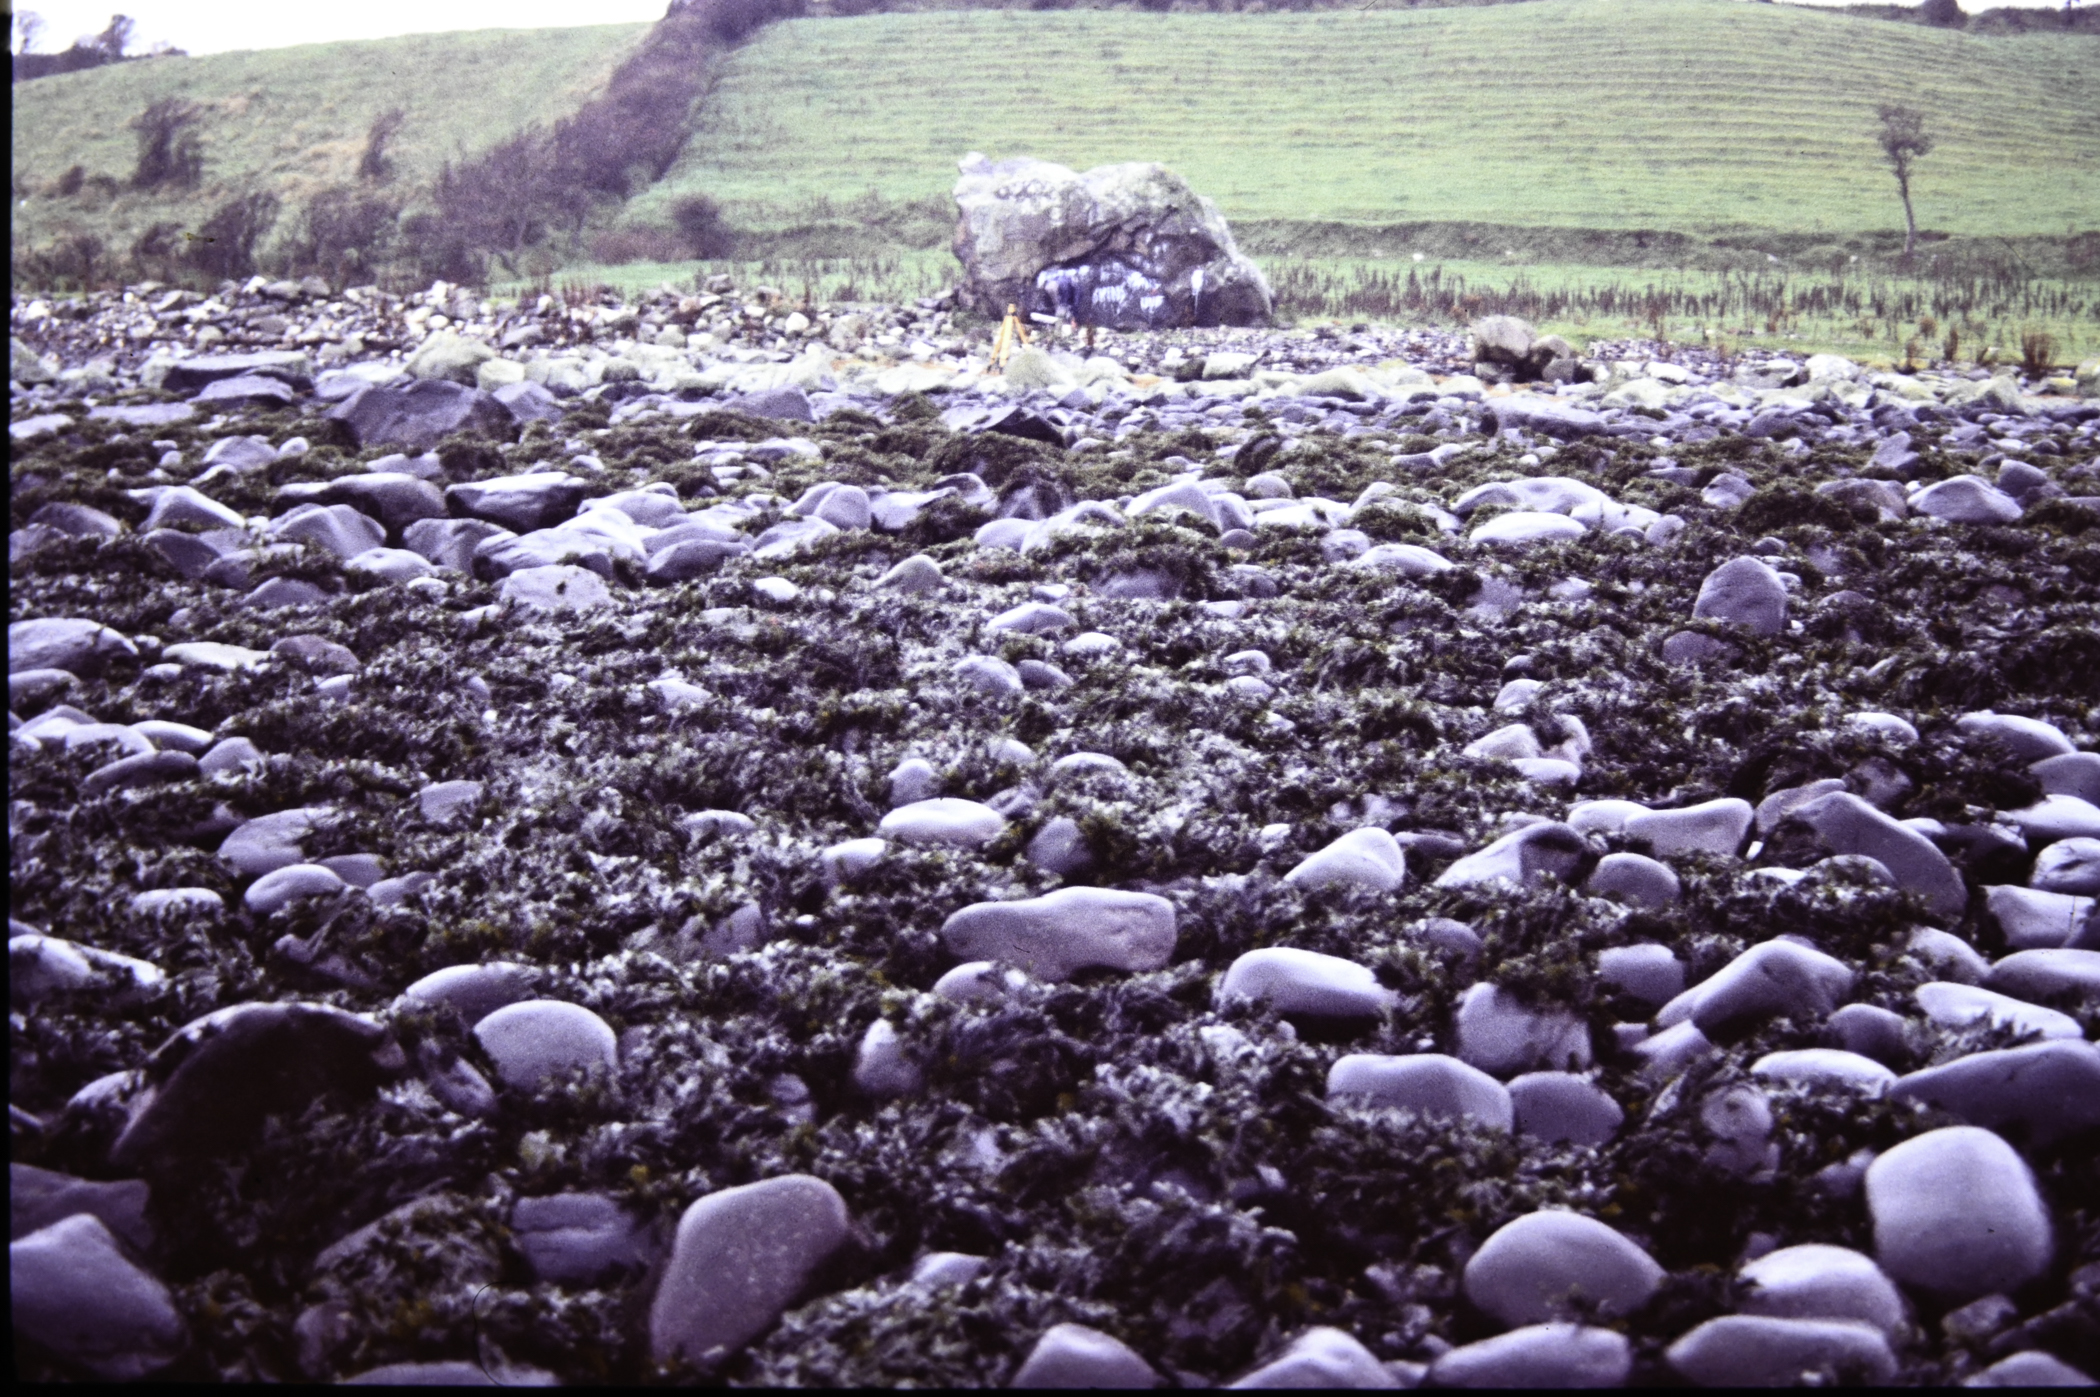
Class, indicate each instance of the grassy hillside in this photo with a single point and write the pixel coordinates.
(1671, 114)
(291, 120)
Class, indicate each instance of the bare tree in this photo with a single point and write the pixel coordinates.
(1903, 140)
(28, 27)
(114, 40)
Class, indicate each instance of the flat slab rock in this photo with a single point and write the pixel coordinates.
(1069, 930)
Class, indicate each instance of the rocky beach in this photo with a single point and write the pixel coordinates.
(720, 838)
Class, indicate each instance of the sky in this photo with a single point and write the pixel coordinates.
(216, 26)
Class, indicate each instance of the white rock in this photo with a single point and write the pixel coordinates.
(1506, 744)
(1886, 725)
(1824, 1067)
(1814, 1281)
(847, 861)
(1762, 1351)
(940, 1269)
(2029, 739)
(1556, 1106)
(1714, 827)
(944, 821)
(281, 887)
(75, 1292)
(270, 842)
(2057, 817)
(1403, 559)
(1525, 857)
(2033, 1368)
(1956, 1214)
(2034, 920)
(1059, 933)
(211, 654)
(1502, 1036)
(988, 674)
(1367, 858)
(1636, 880)
(531, 1042)
(881, 1067)
(980, 982)
(1523, 527)
(1539, 1356)
(1966, 499)
(1530, 1269)
(1647, 971)
(1745, 592)
(554, 588)
(1321, 1357)
(917, 575)
(2068, 866)
(1954, 1005)
(741, 1257)
(1603, 816)
(1306, 982)
(1429, 1083)
(2048, 975)
(1771, 978)
(1073, 1355)
(476, 991)
(2040, 1092)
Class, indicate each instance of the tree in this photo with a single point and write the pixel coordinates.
(1903, 140)
(114, 40)
(28, 27)
(1944, 14)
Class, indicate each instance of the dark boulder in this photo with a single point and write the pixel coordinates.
(419, 415)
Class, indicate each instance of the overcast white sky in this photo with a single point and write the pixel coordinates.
(215, 26)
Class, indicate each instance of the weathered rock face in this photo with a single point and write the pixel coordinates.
(1125, 247)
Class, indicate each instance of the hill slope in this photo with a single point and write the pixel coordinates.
(1678, 114)
(291, 121)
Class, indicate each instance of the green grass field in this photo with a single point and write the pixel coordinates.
(1686, 115)
(293, 120)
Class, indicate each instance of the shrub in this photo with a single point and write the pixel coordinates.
(343, 235)
(2037, 352)
(698, 220)
(373, 164)
(69, 183)
(225, 245)
(169, 150)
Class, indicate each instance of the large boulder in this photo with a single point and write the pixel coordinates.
(1125, 247)
(419, 416)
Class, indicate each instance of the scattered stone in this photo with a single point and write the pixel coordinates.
(1502, 1036)
(1525, 857)
(1428, 1083)
(881, 1067)
(943, 821)
(2033, 920)
(941, 1269)
(1561, 1106)
(1814, 1281)
(1773, 978)
(2033, 1368)
(2068, 866)
(1636, 880)
(2041, 1093)
(2048, 976)
(76, 646)
(1073, 1355)
(561, 587)
(741, 1257)
(1953, 1005)
(75, 1293)
(1715, 827)
(1059, 933)
(536, 1041)
(1764, 1351)
(1956, 1215)
(476, 991)
(1824, 1067)
(1364, 858)
(279, 888)
(1744, 592)
(577, 1239)
(1321, 1357)
(1848, 825)
(1534, 1269)
(39, 1198)
(1306, 983)
(1539, 1356)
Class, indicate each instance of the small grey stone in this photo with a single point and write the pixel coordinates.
(1764, 1351)
(476, 991)
(1772, 978)
(1367, 859)
(449, 802)
(1953, 1005)
(1060, 847)
(1525, 857)
(911, 780)
(1715, 827)
(1073, 1355)
(943, 821)
(1814, 1281)
(1429, 1083)
(556, 588)
(1065, 931)
(2033, 1368)
(2040, 1092)
(881, 1067)
(150, 769)
(67, 643)
(75, 1293)
(980, 982)
(2029, 739)
(1744, 592)
(988, 675)
(2068, 866)
(281, 887)
(741, 1257)
(1038, 675)
(531, 1042)
(522, 503)
(229, 754)
(916, 575)
(577, 1238)
(2071, 774)
(37, 1198)
(1824, 1067)
(1648, 972)
(1634, 879)
(940, 1269)
(1870, 1031)
(270, 842)
(2034, 920)
(1557, 1106)
(1502, 1036)
(1530, 1269)
(1956, 1214)
(1558, 1355)
(2048, 976)
(1322, 1356)
(1949, 957)
(1306, 982)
